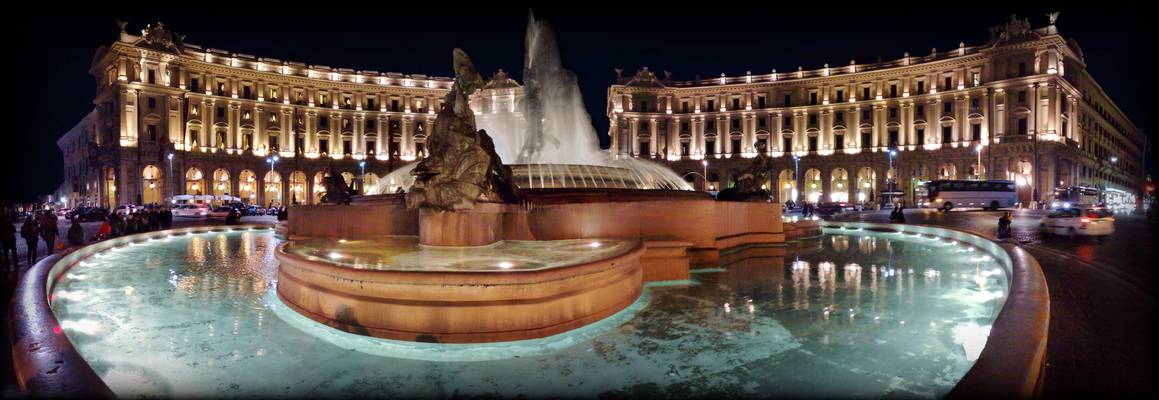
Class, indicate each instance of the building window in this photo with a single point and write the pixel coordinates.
(152, 129)
(976, 132)
(813, 98)
(273, 143)
(947, 134)
(393, 104)
(324, 146)
(788, 101)
(947, 107)
(1022, 97)
(839, 142)
(710, 127)
(1021, 69)
(221, 112)
(974, 103)
(840, 96)
(736, 124)
(152, 77)
(685, 149)
(245, 92)
(866, 140)
(921, 136)
(710, 147)
(370, 103)
(865, 115)
(762, 123)
(921, 111)
(370, 147)
(921, 87)
(735, 104)
(813, 143)
(684, 107)
(194, 84)
(812, 120)
(893, 90)
(323, 122)
(711, 105)
(643, 148)
(736, 147)
(946, 84)
(248, 142)
(347, 147)
(893, 138)
(683, 127)
(643, 126)
(761, 102)
(152, 103)
(865, 93)
(787, 144)
(1022, 127)
(840, 117)
(893, 112)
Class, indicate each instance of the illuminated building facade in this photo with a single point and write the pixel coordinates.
(832, 133)
(172, 118)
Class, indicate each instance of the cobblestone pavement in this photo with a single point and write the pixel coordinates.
(1103, 308)
(8, 279)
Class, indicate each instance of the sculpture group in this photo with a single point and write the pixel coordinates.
(462, 166)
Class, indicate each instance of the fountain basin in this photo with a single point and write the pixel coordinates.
(462, 301)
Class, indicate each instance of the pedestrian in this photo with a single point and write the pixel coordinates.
(167, 221)
(105, 231)
(49, 232)
(76, 234)
(1004, 225)
(30, 231)
(8, 240)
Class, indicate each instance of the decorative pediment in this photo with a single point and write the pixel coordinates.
(500, 81)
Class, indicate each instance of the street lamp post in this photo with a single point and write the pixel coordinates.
(362, 178)
(796, 166)
(890, 173)
(704, 163)
(978, 173)
(272, 160)
(171, 180)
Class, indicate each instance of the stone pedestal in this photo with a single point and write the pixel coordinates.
(480, 226)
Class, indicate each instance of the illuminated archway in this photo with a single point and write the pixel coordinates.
(813, 185)
(111, 187)
(150, 185)
(947, 171)
(194, 181)
(369, 181)
(866, 184)
(248, 186)
(298, 188)
(221, 184)
(273, 189)
(319, 187)
(786, 186)
(839, 185)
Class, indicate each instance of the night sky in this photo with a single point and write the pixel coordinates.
(51, 90)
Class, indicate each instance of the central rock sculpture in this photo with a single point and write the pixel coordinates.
(749, 182)
(462, 166)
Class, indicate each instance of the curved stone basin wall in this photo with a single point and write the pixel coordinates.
(459, 307)
(710, 226)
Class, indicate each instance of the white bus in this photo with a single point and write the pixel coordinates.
(990, 195)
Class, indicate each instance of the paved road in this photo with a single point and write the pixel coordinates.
(1103, 308)
(8, 279)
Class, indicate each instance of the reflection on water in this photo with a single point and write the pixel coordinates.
(859, 314)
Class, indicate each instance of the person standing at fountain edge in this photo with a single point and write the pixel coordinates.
(1004, 225)
(8, 240)
(30, 231)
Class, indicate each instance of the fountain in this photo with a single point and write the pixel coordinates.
(470, 217)
(555, 146)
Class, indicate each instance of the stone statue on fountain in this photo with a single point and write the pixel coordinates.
(462, 166)
(748, 182)
(337, 192)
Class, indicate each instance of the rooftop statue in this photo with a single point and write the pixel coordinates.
(462, 166)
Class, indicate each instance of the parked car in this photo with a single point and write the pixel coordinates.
(253, 210)
(830, 208)
(90, 214)
(1086, 221)
(220, 212)
(125, 209)
(190, 211)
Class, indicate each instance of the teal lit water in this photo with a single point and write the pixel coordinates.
(195, 315)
